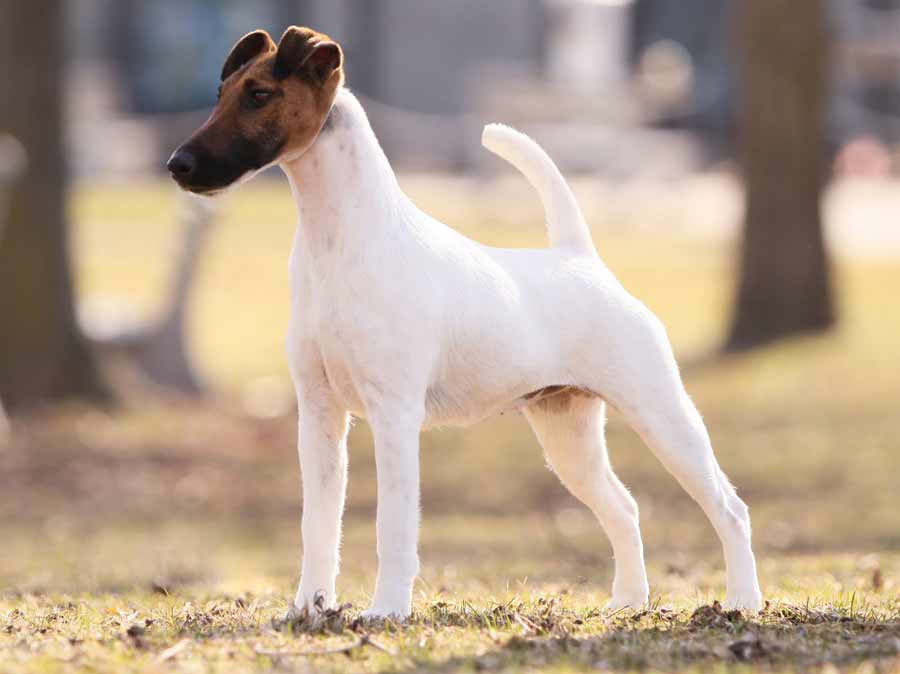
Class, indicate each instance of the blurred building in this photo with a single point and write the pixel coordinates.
(601, 82)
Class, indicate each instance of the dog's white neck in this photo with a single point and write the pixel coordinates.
(343, 181)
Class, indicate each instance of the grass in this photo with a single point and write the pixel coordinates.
(164, 535)
(465, 620)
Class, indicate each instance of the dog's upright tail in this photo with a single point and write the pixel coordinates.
(565, 223)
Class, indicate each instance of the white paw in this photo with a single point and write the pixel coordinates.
(614, 605)
(747, 600)
(378, 615)
(635, 596)
(379, 612)
(392, 600)
(634, 601)
(310, 603)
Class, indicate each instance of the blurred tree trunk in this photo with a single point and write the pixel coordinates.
(42, 354)
(783, 64)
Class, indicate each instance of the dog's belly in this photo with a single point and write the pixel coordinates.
(448, 408)
(464, 406)
(445, 405)
(555, 396)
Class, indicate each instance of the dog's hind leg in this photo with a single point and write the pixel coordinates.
(570, 427)
(649, 392)
(676, 434)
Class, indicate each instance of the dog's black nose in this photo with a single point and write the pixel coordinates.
(182, 163)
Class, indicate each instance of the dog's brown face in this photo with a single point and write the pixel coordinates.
(273, 100)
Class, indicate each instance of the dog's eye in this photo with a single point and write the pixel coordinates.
(260, 97)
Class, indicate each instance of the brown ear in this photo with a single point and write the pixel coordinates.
(305, 50)
(248, 47)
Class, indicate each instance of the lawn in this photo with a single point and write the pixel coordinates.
(164, 535)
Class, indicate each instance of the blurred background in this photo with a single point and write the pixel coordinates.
(737, 160)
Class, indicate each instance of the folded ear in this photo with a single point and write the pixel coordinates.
(302, 50)
(247, 48)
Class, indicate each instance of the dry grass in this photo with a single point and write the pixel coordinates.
(466, 627)
(163, 536)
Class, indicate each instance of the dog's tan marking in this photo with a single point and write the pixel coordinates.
(293, 74)
(273, 102)
(245, 50)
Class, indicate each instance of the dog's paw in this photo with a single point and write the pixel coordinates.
(378, 614)
(633, 595)
(636, 602)
(313, 617)
(747, 600)
(311, 602)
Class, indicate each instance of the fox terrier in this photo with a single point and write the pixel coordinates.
(399, 319)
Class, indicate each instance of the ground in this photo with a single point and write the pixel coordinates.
(163, 535)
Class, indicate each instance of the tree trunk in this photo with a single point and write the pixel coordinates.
(42, 354)
(784, 276)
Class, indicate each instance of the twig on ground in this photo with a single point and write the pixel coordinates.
(364, 640)
(529, 626)
(172, 651)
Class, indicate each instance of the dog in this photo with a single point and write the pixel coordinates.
(399, 319)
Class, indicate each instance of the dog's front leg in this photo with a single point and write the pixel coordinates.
(323, 465)
(396, 430)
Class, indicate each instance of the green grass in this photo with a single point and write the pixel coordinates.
(174, 524)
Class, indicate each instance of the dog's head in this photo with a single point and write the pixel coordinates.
(273, 100)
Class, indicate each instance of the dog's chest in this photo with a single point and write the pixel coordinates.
(326, 314)
(337, 338)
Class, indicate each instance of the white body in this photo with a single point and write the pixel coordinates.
(400, 320)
